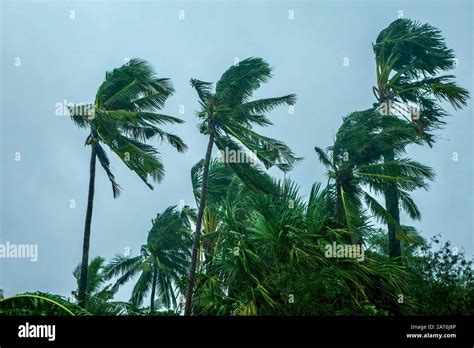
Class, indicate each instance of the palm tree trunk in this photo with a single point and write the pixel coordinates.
(87, 231)
(202, 205)
(153, 288)
(338, 204)
(391, 204)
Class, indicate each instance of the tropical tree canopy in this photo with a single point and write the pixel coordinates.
(229, 114)
(263, 246)
(125, 115)
(410, 57)
(162, 262)
(357, 169)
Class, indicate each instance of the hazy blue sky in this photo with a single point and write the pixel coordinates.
(66, 59)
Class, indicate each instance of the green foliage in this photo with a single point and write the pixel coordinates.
(125, 116)
(162, 262)
(99, 295)
(270, 248)
(230, 116)
(441, 280)
(39, 303)
(357, 170)
(263, 245)
(409, 56)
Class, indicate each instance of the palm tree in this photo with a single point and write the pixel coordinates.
(355, 169)
(409, 58)
(220, 179)
(95, 279)
(123, 117)
(227, 118)
(162, 262)
(98, 293)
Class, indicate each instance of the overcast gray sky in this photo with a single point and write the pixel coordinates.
(48, 57)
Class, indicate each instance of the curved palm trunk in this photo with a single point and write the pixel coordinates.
(391, 204)
(153, 288)
(87, 231)
(202, 205)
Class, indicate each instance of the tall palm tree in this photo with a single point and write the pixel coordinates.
(356, 169)
(409, 58)
(162, 262)
(220, 179)
(227, 118)
(124, 117)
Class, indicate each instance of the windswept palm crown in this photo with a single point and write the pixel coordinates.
(163, 260)
(409, 59)
(357, 170)
(229, 115)
(125, 115)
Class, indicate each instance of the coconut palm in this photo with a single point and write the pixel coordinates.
(99, 295)
(220, 179)
(356, 169)
(124, 117)
(410, 58)
(95, 280)
(228, 117)
(162, 262)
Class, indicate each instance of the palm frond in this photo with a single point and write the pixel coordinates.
(220, 177)
(381, 214)
(239, 82)
(409, 205)
(142, 158)
(134, 87)
(104, 161)
(121, 264)
(141, 288)
(323, 157)
(268, 104)
(204, 89)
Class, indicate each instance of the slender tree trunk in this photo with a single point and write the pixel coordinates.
(338, 204)
(153, 288)
(202, 205)
(391, 198)
(87, 231)
(391, 204)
